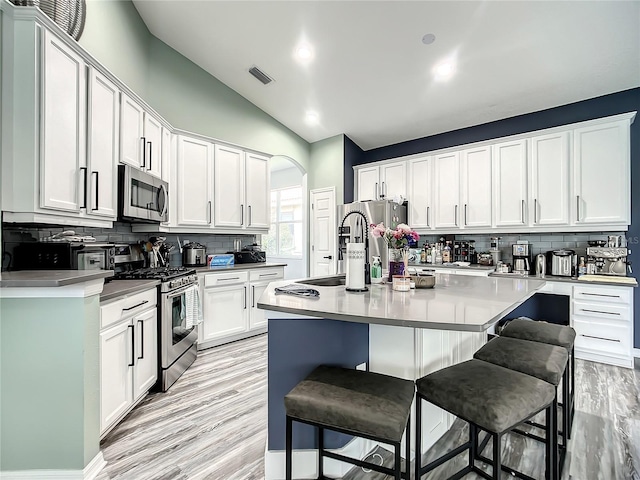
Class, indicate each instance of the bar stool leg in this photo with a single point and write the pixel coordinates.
(497, 463)
(418, 461)
(397, 467)
(566, 409)
(473, 448)
(288, 448)
(573, 391)
(407, 463)
(320, 453)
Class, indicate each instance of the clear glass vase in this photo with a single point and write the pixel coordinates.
(396, 263)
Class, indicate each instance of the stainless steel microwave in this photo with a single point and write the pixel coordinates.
(141, 197)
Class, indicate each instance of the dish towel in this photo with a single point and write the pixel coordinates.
(193, 308)
(298, 290)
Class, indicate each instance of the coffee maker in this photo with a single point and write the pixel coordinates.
(609, 260)
(521, 258)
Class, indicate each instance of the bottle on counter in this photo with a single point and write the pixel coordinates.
(582, 267)
(423, 254)
(446, 253)
(438, 255)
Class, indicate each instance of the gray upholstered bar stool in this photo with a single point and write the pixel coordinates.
(363, 404)
(540, 360)
(488, 397)
(552, 334)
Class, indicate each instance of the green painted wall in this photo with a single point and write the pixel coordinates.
(327, 165)
(184, 94)
(50, 383)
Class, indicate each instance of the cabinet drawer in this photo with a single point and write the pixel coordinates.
(114, 311)
(228, 278)
(260, 274)
(603, 294)
(602, 337)
(609, 311)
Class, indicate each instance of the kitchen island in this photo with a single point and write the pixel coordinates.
(405, 334)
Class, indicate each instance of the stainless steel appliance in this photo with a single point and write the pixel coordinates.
(521, 258)
(141, 197)
(561, 263)
(64, 256)
(194, 255)
(609, 260)
(249, 256)
(541, 265)
(177, 343)
(355, 229)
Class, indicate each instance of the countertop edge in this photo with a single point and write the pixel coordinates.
(48, 278)
(241, 266)
(134, 287)
(570, 280)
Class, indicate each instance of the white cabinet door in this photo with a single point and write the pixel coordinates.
(368, 183)
(194, 182)
(152, 158)
(420, 192)
(393, 178)
(116, 373)
(102, 146)
(145, 372)
(131, 132)
(550, 181)
(476, 187)
(602, 174)
(510, 183)
(225, 312)
(446, 179)
(257, 191)
(228, 187)
(257, 317)
(63, 124)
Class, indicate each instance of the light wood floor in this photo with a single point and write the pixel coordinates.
(212, 425)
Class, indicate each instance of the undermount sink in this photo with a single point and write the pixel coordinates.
(334, 281)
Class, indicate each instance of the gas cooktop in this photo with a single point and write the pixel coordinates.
(164, 274)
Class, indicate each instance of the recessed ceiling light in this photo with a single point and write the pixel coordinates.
(312, 118)
(444, 70)
(304, 53)
(428, 39)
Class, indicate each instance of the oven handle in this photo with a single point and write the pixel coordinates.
(180, 291)
(133, 345)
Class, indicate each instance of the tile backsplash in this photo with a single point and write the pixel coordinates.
(12, 234)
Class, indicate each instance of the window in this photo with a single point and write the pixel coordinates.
(285, 233)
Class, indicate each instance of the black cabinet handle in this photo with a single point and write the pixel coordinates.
(144, 144)
(136, 305)
(150, 155)
(241, 214)
(210, 216)
(141, 323)
(245, 297)
(249, 207)
(133, 346)
(97, 188)
(328, 257)
(465, 213)
(600, 338)
(84, 205)
(253, 296)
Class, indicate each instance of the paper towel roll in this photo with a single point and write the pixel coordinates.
(355, 266)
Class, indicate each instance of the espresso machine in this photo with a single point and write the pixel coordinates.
(521, 258)
(609, 260)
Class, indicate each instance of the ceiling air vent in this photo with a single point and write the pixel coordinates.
(260, 75)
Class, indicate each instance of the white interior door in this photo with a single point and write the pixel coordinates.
(323, 232)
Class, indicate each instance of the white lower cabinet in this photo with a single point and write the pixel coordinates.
(230, 304)
(128, 354)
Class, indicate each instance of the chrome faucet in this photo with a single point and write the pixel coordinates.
(367, 271)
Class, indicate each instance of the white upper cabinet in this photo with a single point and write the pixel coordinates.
(420, 193)
(63, 143)
(602, 174)
(102, 146)
(446, 183)
(550, 179)
(228, 187)
(510, 183)
(257, 191)
(385, 181)
(476, 183)
(140, 138)
(193, 182)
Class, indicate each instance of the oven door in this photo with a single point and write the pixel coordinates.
(175, 338)
(143, 198)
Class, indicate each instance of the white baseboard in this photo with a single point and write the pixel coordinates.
(305, 462)
(89, 472)
(636, 352)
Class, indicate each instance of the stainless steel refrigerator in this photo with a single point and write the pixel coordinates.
(354, 228)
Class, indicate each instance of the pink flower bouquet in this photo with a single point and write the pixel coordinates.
(398, 238)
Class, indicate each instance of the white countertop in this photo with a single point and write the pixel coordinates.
(604, 280)
(458, 302)
(50, 278)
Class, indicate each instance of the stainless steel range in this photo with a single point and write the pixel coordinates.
(177, 339)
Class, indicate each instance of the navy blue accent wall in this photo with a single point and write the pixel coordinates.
(615, 103)
(352, 156)
(296, 347)
(544, 306)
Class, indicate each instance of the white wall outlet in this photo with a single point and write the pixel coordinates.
(362, 366)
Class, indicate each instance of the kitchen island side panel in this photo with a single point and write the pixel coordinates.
(295, 348)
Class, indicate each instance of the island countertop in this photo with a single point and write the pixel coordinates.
(50, 278)
(457, 302)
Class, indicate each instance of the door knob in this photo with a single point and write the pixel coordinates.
(328, 257)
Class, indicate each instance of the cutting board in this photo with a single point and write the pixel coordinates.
(607, 279)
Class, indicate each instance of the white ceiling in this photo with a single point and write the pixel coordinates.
(371, 74)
